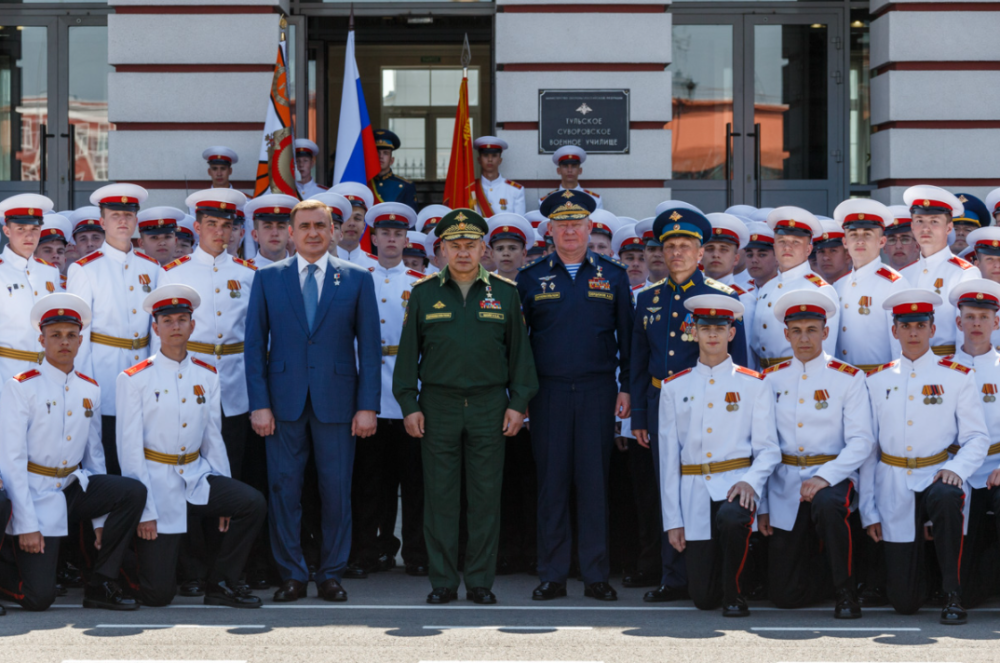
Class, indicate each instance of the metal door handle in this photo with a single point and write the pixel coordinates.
(43, 146)
(756, 163)
(728, 169)
(72, 164)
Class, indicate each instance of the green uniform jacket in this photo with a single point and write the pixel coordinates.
(470, 345)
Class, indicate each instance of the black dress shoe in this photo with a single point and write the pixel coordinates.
(847, 604)
(222, 593)
(109, 596)
(662, 594)
(548, 591)
(481, 595)
(192, 588)
(290, 590)
(737, 608)
(505, 566)
(640, 580)
(69, 576)
(873, 597)
(953, 612)
(442, 595)
(386, 562)
(601, 591)
(419, 570)
(331, 590)
(356, 571)
(258, 581)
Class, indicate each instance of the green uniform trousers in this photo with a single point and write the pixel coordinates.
(461, 427)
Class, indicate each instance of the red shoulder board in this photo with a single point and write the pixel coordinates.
(132, 370)
(203, 364)
(27, 375)
(677, 375)
(373, 257)
(514, 184)
(592, 193)
(749, 371)
(842, 367)
(174, 263)
(882, 367)
(89, 258)
(87, 378)
(140, 254)
(777, 367)
(739, 290)
(961, 263)
(889, 274)
(816, 280)
(246, 263)
(44, 262)
(948, 363)
(414, 273)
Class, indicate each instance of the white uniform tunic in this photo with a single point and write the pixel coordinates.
(358, 256)
(939, 273)
(748, 297)
(260, 261)
(908, 427)
(841, 427)
(865, 339)
(309, 189)
(160, 410)
(596, 196)
(768, 338)
(987, 374)
(504, 195)
(697, 427)
(25, 280)
(113, 284)
(47, 421)
(224, 284)
(392, 292)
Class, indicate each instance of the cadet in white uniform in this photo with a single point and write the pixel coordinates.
(825, 433)
(361, 200)
(54, 242)
(865, 339)
(569, 160)
(220, 165)
(113, 281)
(415, 253)
(717, 448)
(269, 216)
(52, 465)
(794, 231)
(986, 244)
(427, 220)
(170, 439)
(500, 195)
(158, 232)
(306, 152)
(921, 405)
(26, 280)
(88, 233)
(729, 237)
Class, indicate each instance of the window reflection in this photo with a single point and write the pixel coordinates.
(88, 100)
(24, 101)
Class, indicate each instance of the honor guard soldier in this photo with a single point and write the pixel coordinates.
(510, 237)
(921, 405)
(220, 165)
(714, 465)
(605, 224)
(975, 215)
(158, 232)
(415, 253)
(794, 229)
(306, 152)
(494, 193)
(344, 214)
(761, 263)
(578, 308)
(630, 249)
(52, 466)
(663, 345)
(865, 339)
(88, 233)
(55, 237)
(187, 238)
(389, 187)
(427, 220)
(26, 280)
(986, 244)
(901, 247)
(832, 259)
(723, 251)
(361, 199)
(184, 468)
(569, 161)
(269, 218)
(468, 402)
(938, 269)
(825, 433)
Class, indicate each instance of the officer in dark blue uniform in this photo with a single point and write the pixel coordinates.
(663, 344)
(975, 216)
(389, 187)
(578, 308)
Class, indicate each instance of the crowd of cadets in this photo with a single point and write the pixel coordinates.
(875, 411)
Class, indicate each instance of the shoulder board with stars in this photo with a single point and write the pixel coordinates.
(532, 263)
(401, 179)
(89, 258)
(514, 184)
(613, 261)
(140, 254)
(882, 367)
(777, 367)
(246, 263)
(816, 280)
(174, 263)
(964, 264)
(426, 279)
(203, 364)
(843, 368)
(44, 262)
(954, 365)
(414, 273)
(87, 378)
(888, 274)
(677, 375)
(27, 375)
(141, 366)
(749, 371)
(592, 193)
(719, 285)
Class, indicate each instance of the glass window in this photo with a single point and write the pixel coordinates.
(410, 159)
(860, 118)
(24, 101)
(88, 100)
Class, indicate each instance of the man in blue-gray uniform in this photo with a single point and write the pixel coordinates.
(389, 187)
(578, 308)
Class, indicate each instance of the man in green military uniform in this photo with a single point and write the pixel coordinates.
(465, 341)
(389, 187)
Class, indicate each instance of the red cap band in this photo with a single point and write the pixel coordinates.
(726, 233)
(119, 199)
(569, 157)
(48, 232)
(156, 223)
(272, 210)
(301, 151)
(713, 313)
(510, 229)
(391, 217)
(87, 222)
(805, 308)
(219, 157)
(827, 236)
(24, 211)
(864, 216)
(763, 239)
(62, 313)
(168, 303)
(631, 241)
(926, 202)
(904, 309)
(489, 147)
(979, 297)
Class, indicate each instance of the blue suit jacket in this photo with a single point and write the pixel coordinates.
(320, 362)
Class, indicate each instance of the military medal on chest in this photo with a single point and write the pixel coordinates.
(406, 297)
(864, 305)
(989, 393)
(932, 394)
(50, 286)
(821, 396)
(199, 391)
(88, 408)
(234, 288)
(503, 204)
(732, 401)
(656, 296)
(686, 326)
(489, 302)
(547, 281)
(144, 280)
(336, 278)
(938, 284)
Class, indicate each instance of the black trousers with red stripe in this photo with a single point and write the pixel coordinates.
(906, 585)
(714, 566)
(798, 576)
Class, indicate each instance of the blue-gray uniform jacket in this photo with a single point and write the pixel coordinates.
(662, 341)
(580, 329)
(392, 188)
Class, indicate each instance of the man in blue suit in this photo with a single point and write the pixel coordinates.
(310, 392)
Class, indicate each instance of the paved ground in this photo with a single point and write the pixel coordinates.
(386, 620)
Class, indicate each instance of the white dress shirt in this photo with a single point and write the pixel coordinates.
(940, 273)
(25, 280)
(320, 273)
